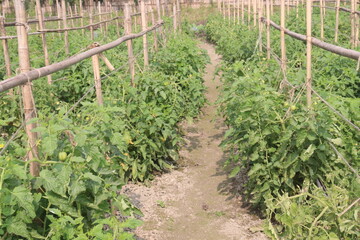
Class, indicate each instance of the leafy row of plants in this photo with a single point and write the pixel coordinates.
(88, 154)
(284, 149)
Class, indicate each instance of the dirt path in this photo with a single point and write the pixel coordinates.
(189, 204)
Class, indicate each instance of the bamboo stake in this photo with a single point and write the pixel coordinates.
(58, 10)
(117, 23)
(178, 7)
(249, 12)
(268, 39)
(91, 18)
(128, 30)
(107, 62)
(308, 52)
(155, 32)
(224, 9)
(27, 96)
(234, 10)
(66, 33)
(97, 79)
(352, 17)
(337, 20)
(242, 12)
(255, 11)
(144, 26)
(158, 10)
(238, 11)
(43, 37)
(82, 17)
(71, 15)
(282, 36)
(271, 8)
(357, 17)
(288, 7)
(260, 9)
(5, 47)
(229, 11)
(321, 20)
(174, 18)
(100, 17)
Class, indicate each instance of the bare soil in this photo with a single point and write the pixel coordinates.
(193, 203)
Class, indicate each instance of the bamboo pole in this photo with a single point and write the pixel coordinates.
(5, 47)
(43, 37)
(234, 10)
(27, 95)
(271, 8)
(174, 18)
(249, 12)
(260, 10)
(268, 39)
(97, 79)
(282, 36)
(55, 67)
(91, 18)
(66, 34)
(178, 7)
(224, 9)
(117, 22)
(107, 62)
(308, 52)
(58, 10)
(71, 15)
(144, 26)
(155, 32)
(242, 12)
(255, 12)
(82, 17)
(238, 11)
(321, 19)
(158, 10)
(352, 19)
(357, 17)
(100, 17)
(128, 30)
(229, 11)
(337, 20)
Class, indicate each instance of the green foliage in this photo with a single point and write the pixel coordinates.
(88, 154)
(293, 173)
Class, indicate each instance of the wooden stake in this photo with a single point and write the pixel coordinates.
(260, 9)
(249, 12)
(155, 31)
(71, 15)
(128, 30)
(337, 20)
(174, 18)
(255, 12)
(282, 36)
(43, 36)
(82, 17)
(321, 20)
(107, 62)
(66, 33)
(352, 17)
(228, 12)
(308, 51)
(238, 11)
(144, 26)
(357, 17)
(242, 12)
(91, 18)
(100, 17)
(58, 10)
(5, 47)
(271, 8)
(268, 47)
(178, 7)
(158, 10)
(27, 95)
(97, 78)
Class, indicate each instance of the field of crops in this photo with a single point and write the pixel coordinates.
(295, 163)
(301, 164)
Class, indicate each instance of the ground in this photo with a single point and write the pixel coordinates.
(192, 203)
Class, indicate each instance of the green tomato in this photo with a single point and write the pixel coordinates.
(62, 156)
(293, 107)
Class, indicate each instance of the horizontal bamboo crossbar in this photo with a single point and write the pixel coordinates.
(55, 67)
(321, 44)
(68, 29)
(32, 21)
